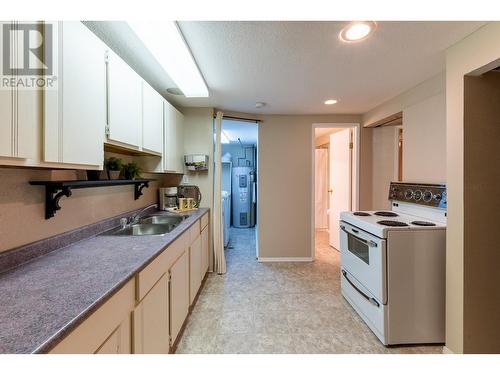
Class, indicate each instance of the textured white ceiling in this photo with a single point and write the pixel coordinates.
(295, 66)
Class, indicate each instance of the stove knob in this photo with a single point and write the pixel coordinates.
(409, 194)
(427, 196)
(418, 195)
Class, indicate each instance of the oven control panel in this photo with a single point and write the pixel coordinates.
(433, 195)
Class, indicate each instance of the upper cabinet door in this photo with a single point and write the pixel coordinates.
(20, 109)
(152, 119)
(124, 88)
(174, 139)
(75, 113)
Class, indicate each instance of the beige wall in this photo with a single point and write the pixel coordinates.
(198, 139)
(285, 182)
(424, 130)
(424, 145)
(22, 214)
(431, 87)
(384, 164)
(477, 51)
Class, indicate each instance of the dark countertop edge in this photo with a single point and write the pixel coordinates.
(60, 335)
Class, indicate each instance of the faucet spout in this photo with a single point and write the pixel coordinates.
(135, 217)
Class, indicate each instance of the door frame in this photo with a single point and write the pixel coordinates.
(257, 211)
(356, 127)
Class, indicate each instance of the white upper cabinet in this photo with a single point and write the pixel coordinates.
(173, 153)
(20, 109)
(75, 113)
(124, 88)
(152, 119)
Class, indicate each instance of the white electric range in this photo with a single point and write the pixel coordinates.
(393, 264)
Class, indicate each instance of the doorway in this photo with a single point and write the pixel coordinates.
(239, 177)
(335, 178)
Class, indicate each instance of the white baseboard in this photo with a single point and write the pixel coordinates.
(446, 350)
(285, 259)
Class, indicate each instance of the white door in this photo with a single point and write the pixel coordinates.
(340, 182)
(321, 189)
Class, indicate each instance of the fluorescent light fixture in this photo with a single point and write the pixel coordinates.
(357, 31)
(164, 40)
(330, 101)
(223, 137)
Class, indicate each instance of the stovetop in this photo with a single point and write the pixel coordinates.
(380, 225)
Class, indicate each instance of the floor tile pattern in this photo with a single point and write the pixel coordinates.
(279, 308)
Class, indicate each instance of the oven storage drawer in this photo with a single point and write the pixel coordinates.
(371, 310)
(363, 255)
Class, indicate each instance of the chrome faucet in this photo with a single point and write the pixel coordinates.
(135, 217)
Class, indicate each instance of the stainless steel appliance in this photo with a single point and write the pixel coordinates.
(393, 265)
(168, 198)
(243, 197)
(190, 191)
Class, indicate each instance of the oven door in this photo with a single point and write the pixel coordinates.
(363, 255)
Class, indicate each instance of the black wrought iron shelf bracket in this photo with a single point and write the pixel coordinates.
(55, 190)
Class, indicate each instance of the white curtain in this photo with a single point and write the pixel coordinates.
(321, 188)
(219, 258)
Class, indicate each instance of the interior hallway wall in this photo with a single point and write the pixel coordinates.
(285, 172)
(480, 50)
(198, 139)
(384, 164)
(424, 130)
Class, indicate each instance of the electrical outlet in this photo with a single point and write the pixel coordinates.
(185, 179)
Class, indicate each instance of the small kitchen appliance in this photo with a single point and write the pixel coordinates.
(168, 198)
(190, 191)
(393, 264)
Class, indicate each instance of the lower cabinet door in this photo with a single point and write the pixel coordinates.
(205, 252)
(119, 341)
(179, 295)
(195, 260)
(151, 320)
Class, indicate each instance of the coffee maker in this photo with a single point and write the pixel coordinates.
(168, 198)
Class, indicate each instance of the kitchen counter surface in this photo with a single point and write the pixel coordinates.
(43, 300)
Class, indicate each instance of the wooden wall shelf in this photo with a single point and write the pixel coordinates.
(55, 190)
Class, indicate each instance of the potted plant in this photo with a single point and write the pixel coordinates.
(114, 167)
(131, 171)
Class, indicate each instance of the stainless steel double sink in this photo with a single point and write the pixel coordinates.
(152, 225)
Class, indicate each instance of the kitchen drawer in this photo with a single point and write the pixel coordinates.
(194, 232)
(148, 277)
(204, 221)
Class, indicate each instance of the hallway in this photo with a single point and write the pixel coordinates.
(279, 308)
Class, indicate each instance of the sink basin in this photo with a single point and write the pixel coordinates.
(162, 219)
(144, 230)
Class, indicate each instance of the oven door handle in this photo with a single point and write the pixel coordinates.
(372, 300)
(367, 242)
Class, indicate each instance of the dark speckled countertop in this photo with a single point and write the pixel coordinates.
(45, 299)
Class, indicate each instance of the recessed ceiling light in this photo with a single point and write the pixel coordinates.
(330, 101)
(357, 31)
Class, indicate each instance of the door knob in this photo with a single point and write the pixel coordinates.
(330, 190)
